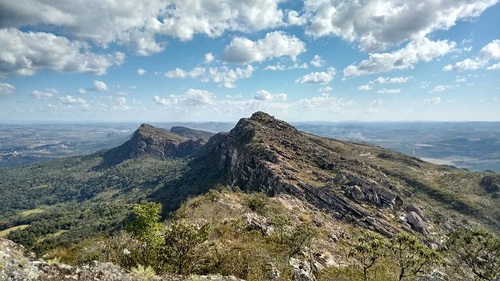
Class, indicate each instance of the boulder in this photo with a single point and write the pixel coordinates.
(417, 223)
(302, 270)
(255, 221)
(357, 193)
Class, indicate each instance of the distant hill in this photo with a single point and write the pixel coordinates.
(149, 140)
(191, 133)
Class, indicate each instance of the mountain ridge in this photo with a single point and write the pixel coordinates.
(365, 185)
(295, 186)
(360, 183)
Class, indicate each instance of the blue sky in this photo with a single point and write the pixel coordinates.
(220, 60)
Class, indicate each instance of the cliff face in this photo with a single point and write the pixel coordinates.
(149, 140)
(346, 179)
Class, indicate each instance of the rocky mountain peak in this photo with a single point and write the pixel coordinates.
(352, 181)
(149, 140)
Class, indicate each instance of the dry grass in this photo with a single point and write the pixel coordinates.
(6, 232)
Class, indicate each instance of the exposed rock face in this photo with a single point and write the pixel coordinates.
(268, 155)
(416, 222)
(148, 140)
(20, 265)
(257, 222)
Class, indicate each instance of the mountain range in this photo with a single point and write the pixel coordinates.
(56, 204)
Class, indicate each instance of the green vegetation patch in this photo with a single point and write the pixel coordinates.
(31, 212)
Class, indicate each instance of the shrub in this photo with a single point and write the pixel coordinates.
(477, 250)
(183, 245)
(411, 256)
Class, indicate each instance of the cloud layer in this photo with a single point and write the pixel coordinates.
(25, 53)
(377, 24)
(423, 50)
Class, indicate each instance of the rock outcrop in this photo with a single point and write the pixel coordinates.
(18, 264)
(149, 140)
(268, 155)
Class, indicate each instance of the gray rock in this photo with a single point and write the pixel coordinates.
(357, 193)
(21, 265)
(254, 221)
(435, 275)
(417, 223)
(271, 271)
(416, 209)
(302, 270)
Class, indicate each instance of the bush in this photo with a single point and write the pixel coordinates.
(477, 250)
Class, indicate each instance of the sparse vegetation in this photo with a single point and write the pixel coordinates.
(145, 273)
(478, 250)
(184, 245)
(412, 257)
(369, 248)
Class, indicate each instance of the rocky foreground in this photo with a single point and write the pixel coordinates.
(18, 264)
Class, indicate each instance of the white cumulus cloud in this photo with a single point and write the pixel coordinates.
(274, 45)
(183, 18)
(71, 100)
(264, 95)
(141, 71)
(191, 97)
(365, 87)
(140, 25)
(323, 77)
(294, 18)
(99, 86)
(416, 51)
(224, 76)
(45, 94)
(440, 88)
(209, 57)
(280, 67)
(389, 91)
(490, 52)
(393, 80)
(25, 53)
(377, 24)
(434, 100)
(317, 61)
(6, 89)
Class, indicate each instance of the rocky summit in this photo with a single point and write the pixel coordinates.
(367, 185)
(149, 140)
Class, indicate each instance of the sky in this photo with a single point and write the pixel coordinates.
(220, 60)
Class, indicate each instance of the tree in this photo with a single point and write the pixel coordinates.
(146, 226)
(183, 242)
(479, 250)
(369, 247)
(280, 222)
(411, 256)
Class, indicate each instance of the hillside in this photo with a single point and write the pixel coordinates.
(332, 188)
(360, 183)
